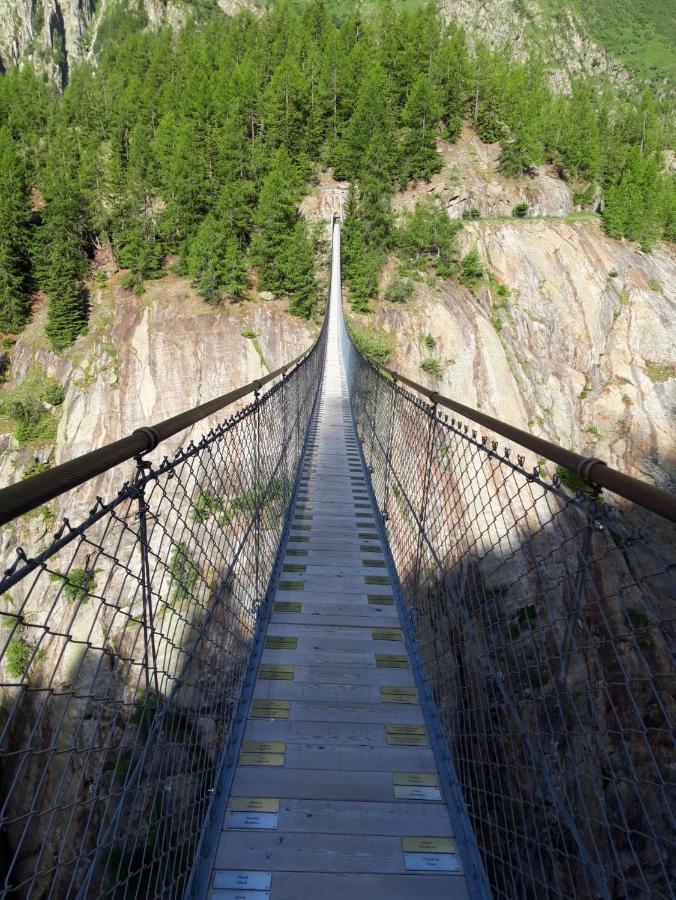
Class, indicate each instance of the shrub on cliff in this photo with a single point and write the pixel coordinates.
(427, 234)
(471, 270)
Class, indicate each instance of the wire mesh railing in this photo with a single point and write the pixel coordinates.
(123, 646)
(543, 615)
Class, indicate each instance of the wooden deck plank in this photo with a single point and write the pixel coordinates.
(311, 852)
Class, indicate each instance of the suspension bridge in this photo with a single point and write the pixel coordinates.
(344, 644)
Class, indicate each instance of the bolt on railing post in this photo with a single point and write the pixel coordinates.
(149, 648)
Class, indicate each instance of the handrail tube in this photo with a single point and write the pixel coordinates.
(593, 470)
(24, 496)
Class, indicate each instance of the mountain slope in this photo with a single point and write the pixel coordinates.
(574, 36)
(568, 333)
(579, 36)
(54, 34)
(640, 33)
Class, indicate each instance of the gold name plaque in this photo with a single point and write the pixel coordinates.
(386, 634)
(276, 642)
(391, 662)
(398, 695)
(276, 673)
(270, 709)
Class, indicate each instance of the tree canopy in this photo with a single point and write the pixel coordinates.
(201, 143)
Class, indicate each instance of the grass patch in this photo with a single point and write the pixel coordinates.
(585, 392)
(31, 410)
(183, 572)
(371, 343)
(593, 430)
(78, 584)
(471, 270)
(659, 372)
(20, 654)
(18, 657)
(35, 468)
(573, 481)
(226, 509)
(252, 336)
(432, 367)
(206, 505)
(524, 615)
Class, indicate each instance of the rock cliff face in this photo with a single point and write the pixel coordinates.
(580, 352)
(470, 179)
(56, 33)
(524, 28)
(145, 359)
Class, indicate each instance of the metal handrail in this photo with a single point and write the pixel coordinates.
(589, 468)
(24, 496)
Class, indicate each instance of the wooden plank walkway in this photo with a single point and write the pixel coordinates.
(336, 792)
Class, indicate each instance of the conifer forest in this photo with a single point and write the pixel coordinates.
(198, 145)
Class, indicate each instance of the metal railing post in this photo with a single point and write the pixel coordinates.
(259, 497)
(296, 426)
(374, 412)
(149, 648)
(388, 453)
(429, 453)
(285, 432)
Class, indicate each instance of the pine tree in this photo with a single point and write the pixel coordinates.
(420, 115)
(519, 153)
(65, 244)
(285, 107)
(428, 232)
(361, 261)
(370, 123)
(633, 208)
(275, 217)
(15, 238)
(299, 276)
(215, 261)
(451, 74)
(374, 196)
(67, 309)
(136, 242)
(187, 186)
(13, 302)
(580, 143)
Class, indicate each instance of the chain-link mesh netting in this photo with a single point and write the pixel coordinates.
(123, 646)
(544, 620)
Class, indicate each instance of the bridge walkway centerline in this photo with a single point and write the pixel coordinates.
(336, 791)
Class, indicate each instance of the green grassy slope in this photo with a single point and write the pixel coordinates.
(640, 33)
